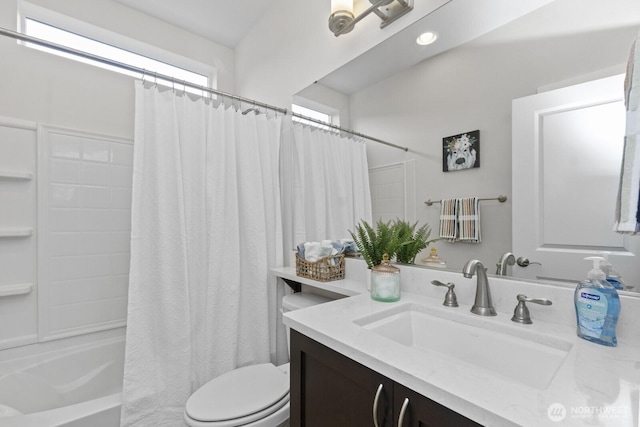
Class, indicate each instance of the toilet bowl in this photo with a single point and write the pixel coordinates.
(250, 396)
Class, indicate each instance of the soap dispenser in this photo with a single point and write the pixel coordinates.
(612, 277)
(597, 307)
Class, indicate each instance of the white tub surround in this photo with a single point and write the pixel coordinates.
(595, 385)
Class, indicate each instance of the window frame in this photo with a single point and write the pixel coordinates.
(310, 112)
(89, 31)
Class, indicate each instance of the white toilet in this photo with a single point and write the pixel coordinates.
(251, 396)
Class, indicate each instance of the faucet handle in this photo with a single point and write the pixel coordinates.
(524, 262)
(521, 312)
(450, 299)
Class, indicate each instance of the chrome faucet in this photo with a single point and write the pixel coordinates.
(506, 260)
(483, 305)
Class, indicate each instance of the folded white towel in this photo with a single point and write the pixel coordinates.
(312, 251)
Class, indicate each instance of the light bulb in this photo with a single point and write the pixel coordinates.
(427, 38)
(341, 5)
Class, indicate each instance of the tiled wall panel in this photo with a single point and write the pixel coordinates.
(85, 216)
(387, 192)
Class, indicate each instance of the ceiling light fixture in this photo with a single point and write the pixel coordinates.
(427, 38)
(342, 19)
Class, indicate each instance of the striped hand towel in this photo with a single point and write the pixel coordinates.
(448, 219)
(628, 203)
(469, 220)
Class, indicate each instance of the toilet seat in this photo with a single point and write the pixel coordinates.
(240, 397)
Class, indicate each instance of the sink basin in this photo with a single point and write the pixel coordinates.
(511, 352)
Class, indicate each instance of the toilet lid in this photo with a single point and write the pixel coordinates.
(238, 393)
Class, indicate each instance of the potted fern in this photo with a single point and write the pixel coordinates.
(410, 240)
(373, 243)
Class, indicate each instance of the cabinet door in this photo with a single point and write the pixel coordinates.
(420, 411)
(331, 390)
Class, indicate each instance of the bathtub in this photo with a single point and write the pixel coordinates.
(77, 385)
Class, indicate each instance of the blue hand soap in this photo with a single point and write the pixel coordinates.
(597, 307)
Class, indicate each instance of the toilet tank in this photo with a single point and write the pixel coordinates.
(300, 300)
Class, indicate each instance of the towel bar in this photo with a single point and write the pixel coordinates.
(17, 289)
(7, 174)
(16, 232)
(501, 199)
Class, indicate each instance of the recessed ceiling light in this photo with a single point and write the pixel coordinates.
(426, 38)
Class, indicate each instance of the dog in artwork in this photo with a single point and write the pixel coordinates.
(461, 153)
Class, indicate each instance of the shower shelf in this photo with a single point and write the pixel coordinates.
(6, 174)
(17, 289)
(16, 232)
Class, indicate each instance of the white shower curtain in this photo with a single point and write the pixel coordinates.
(325, 182)
(324, 178)
(206, 229)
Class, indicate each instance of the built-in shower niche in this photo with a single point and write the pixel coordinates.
(18, 233)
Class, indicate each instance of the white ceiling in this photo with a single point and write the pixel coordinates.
(223, 21)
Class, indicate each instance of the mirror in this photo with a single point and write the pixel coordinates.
(471, 87)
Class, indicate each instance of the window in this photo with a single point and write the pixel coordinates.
(308, 112)
(75, 41)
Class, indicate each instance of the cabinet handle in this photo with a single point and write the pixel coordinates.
(403, 410)
(375, 405)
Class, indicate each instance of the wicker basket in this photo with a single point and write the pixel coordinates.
(325, 269)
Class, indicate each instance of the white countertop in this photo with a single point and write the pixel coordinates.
(596, 385)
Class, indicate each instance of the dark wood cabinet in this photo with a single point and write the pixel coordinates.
(331, 390)
(328, 389)
(423, 412)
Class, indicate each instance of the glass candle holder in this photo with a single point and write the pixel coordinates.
(385, 281)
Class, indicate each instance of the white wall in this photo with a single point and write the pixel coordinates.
(471, 87)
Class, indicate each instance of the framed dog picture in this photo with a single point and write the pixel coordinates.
(461, 151)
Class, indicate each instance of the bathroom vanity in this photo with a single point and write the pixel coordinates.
(329, 389)
(454, 367)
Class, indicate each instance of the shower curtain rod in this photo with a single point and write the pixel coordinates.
(29, 39)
